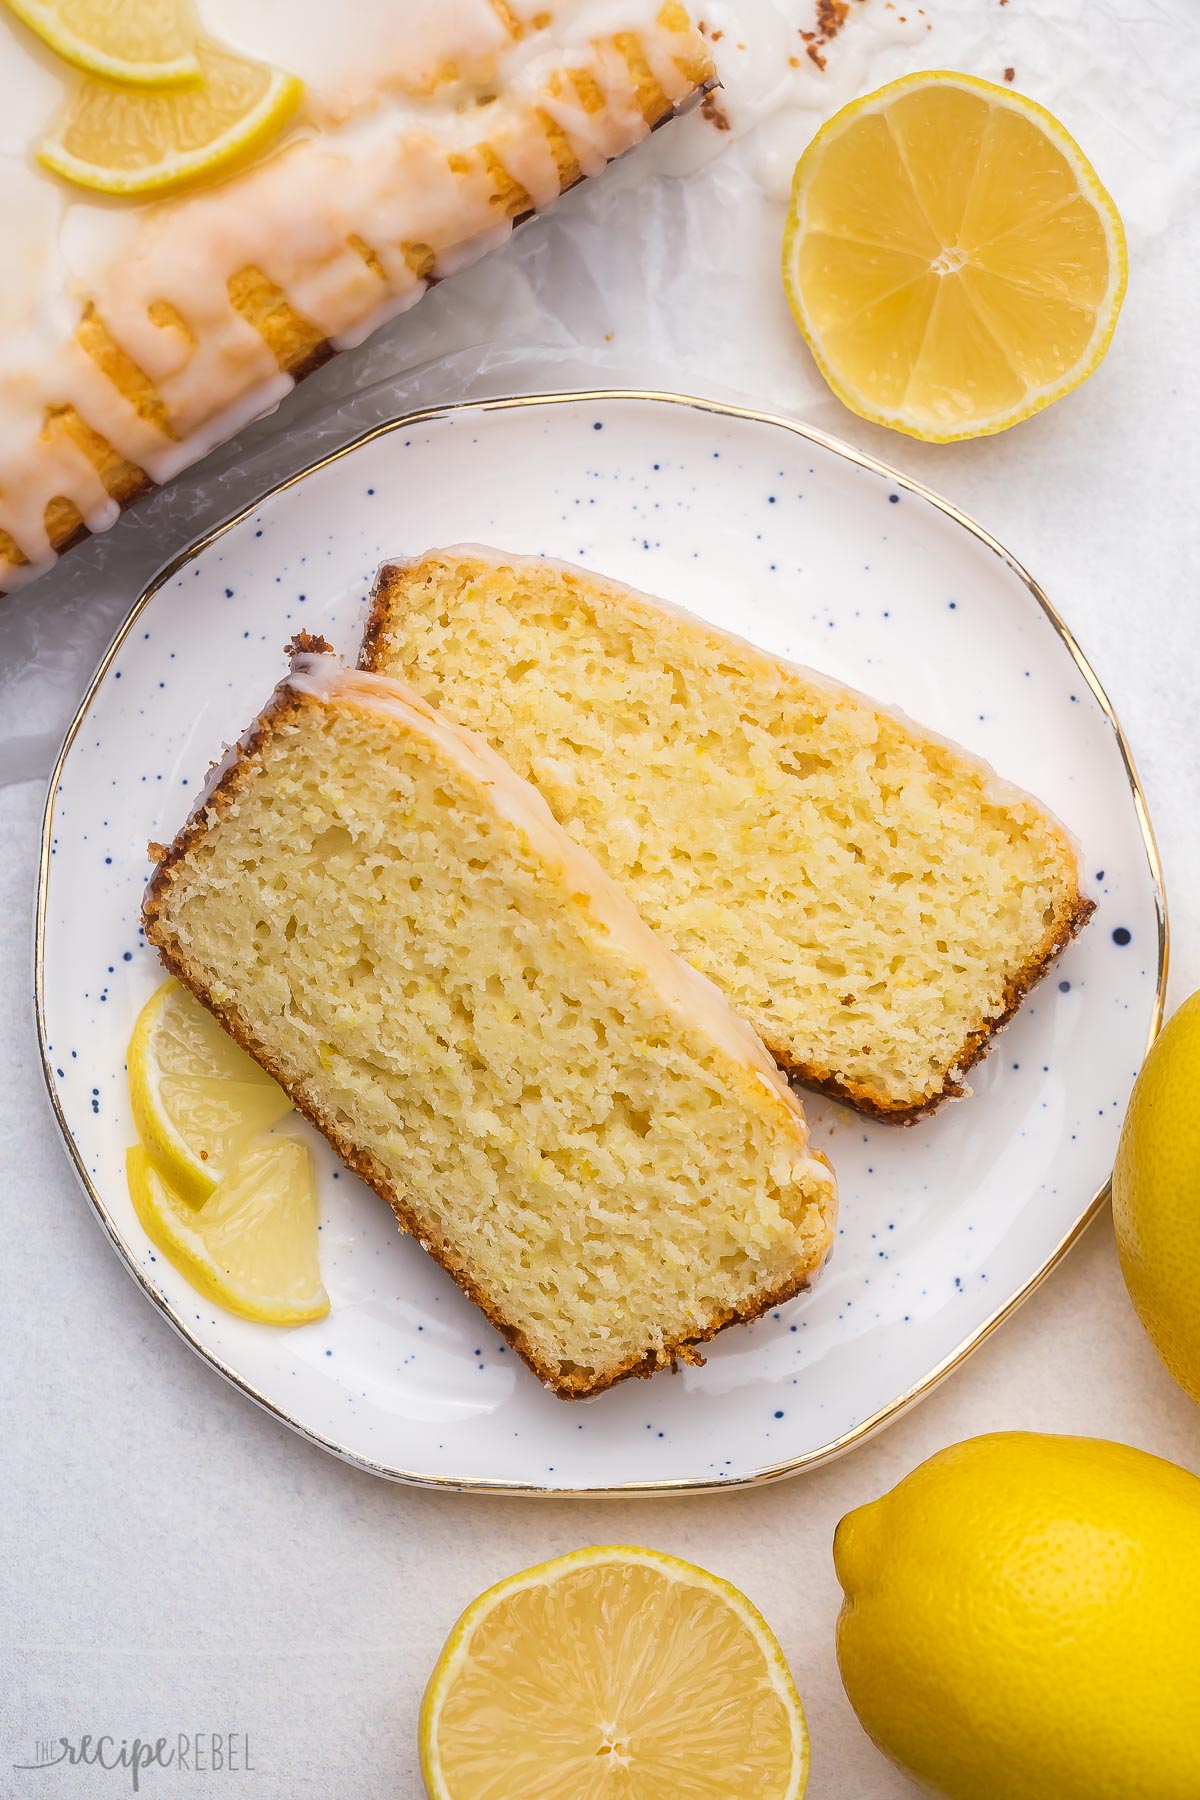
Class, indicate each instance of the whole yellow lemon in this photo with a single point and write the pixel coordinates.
(1022, 1622)
(1156, 1196)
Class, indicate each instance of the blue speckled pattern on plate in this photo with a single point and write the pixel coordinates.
(814, 554)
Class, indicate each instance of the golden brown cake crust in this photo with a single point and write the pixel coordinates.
(567, 1384)
(1071, 920)
(974, 1049)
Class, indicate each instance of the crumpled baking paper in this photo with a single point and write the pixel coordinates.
(663, 274)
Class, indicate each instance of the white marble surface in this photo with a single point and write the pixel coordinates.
(178, 1562)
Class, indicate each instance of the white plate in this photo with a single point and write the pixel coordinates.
(815, 552)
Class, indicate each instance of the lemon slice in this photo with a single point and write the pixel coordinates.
(612, 1674)
(252, 1246)
(197, 1098)
(951, 257)
(142, 42)
(124, 140)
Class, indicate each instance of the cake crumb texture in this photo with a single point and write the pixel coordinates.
(573, 1123)
(874, 899)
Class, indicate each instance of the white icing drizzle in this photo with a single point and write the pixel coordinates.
(680, 987)
(349, 53)
(414, 85)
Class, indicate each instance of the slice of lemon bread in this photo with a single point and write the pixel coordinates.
(875, 900)
(568, 1117)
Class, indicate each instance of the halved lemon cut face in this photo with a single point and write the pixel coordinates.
(951, 257)
(197, 1098)
(127, 140)
(613, 1674)
(252, 1246)
(140, 42)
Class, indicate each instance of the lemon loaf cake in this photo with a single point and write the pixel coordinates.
(873, 899)
(569, 1118)
(185, 237)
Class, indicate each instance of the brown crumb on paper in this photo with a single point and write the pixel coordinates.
(831, 16)
(1010, 74)
(711, 109)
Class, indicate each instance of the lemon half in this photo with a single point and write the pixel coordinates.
(951, 257)
(139, 42)
(612, 1674)
(197, 1098)
(125, 140)
(252, 1246)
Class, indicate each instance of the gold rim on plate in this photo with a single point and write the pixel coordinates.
(885, 1415)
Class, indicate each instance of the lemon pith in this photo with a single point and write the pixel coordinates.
(127, 141)
(1156, 1196)
(612, 1671)
(137, 42)
(951, 257)
(1022, 1620)
(197, 1098)
(252, 1246)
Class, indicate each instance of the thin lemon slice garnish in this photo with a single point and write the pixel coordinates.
(123, 140)
(951, 257)
(144, 43)
(612, 1674)
(197, 1098)
(252, 1246)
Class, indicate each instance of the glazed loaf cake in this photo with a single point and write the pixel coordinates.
(571, 1120)
(873, 899)
(147, 334)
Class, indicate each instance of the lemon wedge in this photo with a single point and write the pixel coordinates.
(125, 140)
(951, 257)
(140, 42)
(612, 1674)
(252, 1246)
(197, 1098)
